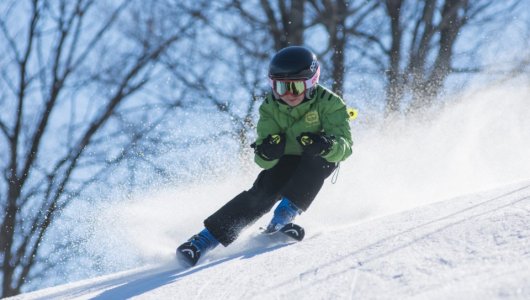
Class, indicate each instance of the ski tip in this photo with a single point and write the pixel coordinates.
(291, 230)
(188, 255)
(294, 231)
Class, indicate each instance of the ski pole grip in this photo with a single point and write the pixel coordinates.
(305, 140)
(275, 139)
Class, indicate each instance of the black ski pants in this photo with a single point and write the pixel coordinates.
(299, 178)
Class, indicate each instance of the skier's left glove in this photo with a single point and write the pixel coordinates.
(315, 144)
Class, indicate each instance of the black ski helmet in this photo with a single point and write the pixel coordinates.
(294, 62)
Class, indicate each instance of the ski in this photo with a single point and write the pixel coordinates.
(188, 254)
(291, 230)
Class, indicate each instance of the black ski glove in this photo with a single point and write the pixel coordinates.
(315, 144)
(271, 148)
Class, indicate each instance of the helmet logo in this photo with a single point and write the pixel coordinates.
(314, 65)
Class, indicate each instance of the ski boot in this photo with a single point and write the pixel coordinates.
(190, 252)
(284, 214)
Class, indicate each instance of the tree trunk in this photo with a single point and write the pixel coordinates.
(288, 29)
(395, 82)
(426, 87)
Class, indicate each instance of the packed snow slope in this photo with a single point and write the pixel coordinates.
(394, 225)
(471, 247)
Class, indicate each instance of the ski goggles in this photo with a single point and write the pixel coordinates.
(293, 87)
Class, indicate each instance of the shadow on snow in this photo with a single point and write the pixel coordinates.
(148, 283)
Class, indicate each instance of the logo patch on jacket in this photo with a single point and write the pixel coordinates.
(311, 117)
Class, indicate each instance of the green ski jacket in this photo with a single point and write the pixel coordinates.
(325, 112)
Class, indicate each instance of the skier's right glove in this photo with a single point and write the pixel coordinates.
(271, 148)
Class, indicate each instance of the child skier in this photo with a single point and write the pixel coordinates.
(303, 133)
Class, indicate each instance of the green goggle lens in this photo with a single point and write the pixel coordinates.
(293, 87)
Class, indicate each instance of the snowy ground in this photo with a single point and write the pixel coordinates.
(471, 247)
(393, 226)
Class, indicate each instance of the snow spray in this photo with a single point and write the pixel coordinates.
(475, 143)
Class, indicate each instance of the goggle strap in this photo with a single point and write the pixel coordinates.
(309, 83)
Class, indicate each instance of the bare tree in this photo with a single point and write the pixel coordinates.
(233, 79)
(422, 41)
(284, 20)
(410, 45)
(339, 17)
(69, 73)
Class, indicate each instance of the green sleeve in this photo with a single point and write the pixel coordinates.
(335, 122)
(266, 125)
